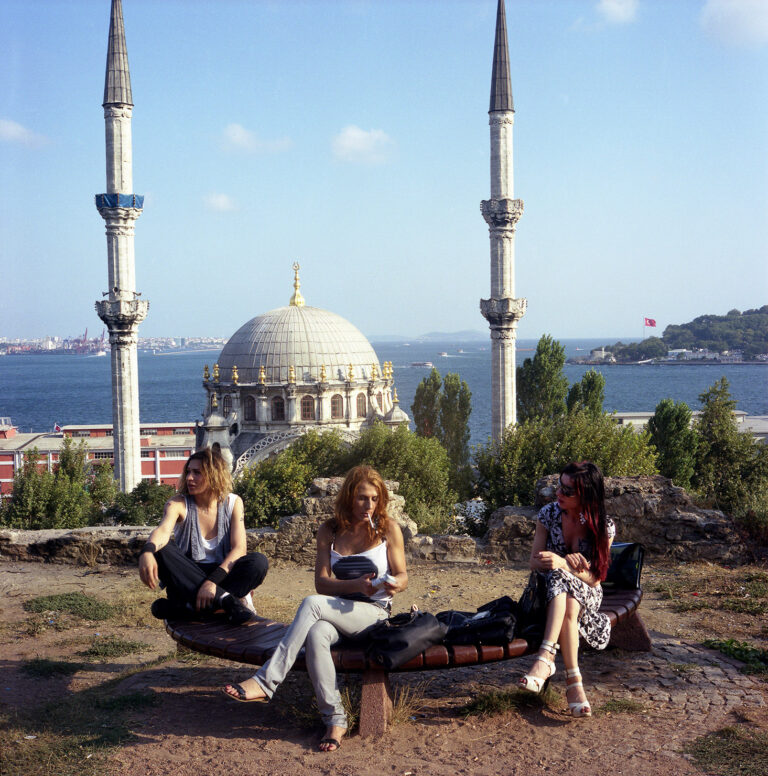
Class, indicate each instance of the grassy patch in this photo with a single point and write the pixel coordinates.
(77, 604)
(691, 605)
(745, 605)
(408, 701)
(755, 659)
(112, 646)
(73, 736)
(619, 706)
(732, 751)
(495, 702)
(43, 668)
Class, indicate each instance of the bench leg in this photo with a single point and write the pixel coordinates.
(375, 704)
(631, 635)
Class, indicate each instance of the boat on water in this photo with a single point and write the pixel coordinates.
(442, 353)
(425, 364)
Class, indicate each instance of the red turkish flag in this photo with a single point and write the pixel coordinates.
(650, 322)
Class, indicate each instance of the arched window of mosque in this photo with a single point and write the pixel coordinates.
(380, 400)
(307, 408)
(278, 408)
(227, 405)
(361, 405)
(250, 408)
(337, 406)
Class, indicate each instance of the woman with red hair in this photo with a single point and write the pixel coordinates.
(571, 551)
(360, 565)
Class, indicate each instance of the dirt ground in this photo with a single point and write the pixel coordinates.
(678, 692)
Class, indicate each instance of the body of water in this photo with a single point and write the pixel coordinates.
(38, 391)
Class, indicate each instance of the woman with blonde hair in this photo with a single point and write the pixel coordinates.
(205, 567)
(360, 565)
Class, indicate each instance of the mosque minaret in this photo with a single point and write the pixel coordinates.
(501, 212)
(121, 310)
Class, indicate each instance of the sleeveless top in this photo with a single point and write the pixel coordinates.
(373, 561)
(190, 540)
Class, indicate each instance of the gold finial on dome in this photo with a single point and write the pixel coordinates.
(291, 374)
(297, 300)
(214, 401)
(374, 372)
(350, 373)
(262, 375)
(206, 374)
(323, 375)
(215, 373)
(394, 396)
(235, 375)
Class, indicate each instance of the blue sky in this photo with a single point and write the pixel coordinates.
(352, 136)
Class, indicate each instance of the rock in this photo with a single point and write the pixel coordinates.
(510, 533)
(663, 517)
(444, 549)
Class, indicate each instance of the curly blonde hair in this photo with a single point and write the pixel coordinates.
(345, 498)
(215, 470)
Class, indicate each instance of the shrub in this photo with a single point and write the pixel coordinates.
(508, 470)
(675, 441)
(144, 505)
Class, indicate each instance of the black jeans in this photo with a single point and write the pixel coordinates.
(182, 576)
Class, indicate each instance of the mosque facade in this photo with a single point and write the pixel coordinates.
(291, 370)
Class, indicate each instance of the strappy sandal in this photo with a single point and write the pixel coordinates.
(335, 741)
(240, 697)
(537, 684)
(581, 709)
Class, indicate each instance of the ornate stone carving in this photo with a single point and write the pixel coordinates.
(118, 112)
(501, 117)
(503, 312)
(122, 316)
(114, 215)
(501, 213)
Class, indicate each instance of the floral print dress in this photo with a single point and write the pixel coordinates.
(594, 627)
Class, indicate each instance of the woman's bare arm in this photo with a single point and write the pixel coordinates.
(175, 510)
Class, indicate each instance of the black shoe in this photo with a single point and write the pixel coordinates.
(235, 611)
(164, 609)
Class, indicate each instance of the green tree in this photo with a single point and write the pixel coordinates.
(675, 441)
(144, 505)
(103, 490)
(730, 466)
(588, 394)
(455, 409)
(541, 384)
(32, 485)
(508, 470)
(426, 405)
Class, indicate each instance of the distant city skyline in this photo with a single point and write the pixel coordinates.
(352, 136)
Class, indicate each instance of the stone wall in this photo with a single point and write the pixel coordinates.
(650, 510)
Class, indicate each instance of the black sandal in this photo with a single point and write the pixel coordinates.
(335, 741)
(240, 697)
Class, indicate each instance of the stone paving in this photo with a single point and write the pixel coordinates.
(681, 678)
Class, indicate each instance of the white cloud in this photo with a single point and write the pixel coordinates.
(353, 144)
(13, 132)
(221, 203)
(237, 138)
(617, 11)
(738, 22)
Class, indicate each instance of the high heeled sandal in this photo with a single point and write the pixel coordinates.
(580, 709)
(537, 684)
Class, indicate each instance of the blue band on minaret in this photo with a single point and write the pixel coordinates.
(135, 201)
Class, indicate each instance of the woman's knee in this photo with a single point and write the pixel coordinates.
(572, 609)
(322, 635)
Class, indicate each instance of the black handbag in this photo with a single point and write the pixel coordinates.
(626, 566)
(532, 609)
(395, 641)
(492, 623)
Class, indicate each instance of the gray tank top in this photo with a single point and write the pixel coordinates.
(190, 540)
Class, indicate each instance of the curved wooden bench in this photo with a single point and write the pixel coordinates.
(255, 642)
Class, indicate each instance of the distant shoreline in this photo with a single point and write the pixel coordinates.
(697, 362)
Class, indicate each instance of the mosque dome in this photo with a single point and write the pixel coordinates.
(305, 338)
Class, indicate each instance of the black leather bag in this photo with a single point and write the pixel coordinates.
(395, 641)
(532, 609)
(492, 623)
(626, 566)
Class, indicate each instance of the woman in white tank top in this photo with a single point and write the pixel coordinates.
(360, 565)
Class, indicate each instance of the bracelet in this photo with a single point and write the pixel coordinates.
(148, 547)
(217, 576)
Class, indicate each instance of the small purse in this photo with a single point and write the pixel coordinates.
(626, 566)
(532, 609)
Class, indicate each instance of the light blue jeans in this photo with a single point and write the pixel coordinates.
(319, 623)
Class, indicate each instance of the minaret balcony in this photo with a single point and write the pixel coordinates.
(501, 213)
(503, 312)
(132, 201)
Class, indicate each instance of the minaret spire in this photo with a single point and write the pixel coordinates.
(122, 310)
(501, 213)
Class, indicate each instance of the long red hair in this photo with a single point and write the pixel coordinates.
(588, 481)
(345, 498)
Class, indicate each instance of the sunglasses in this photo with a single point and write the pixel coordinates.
(566, 490)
